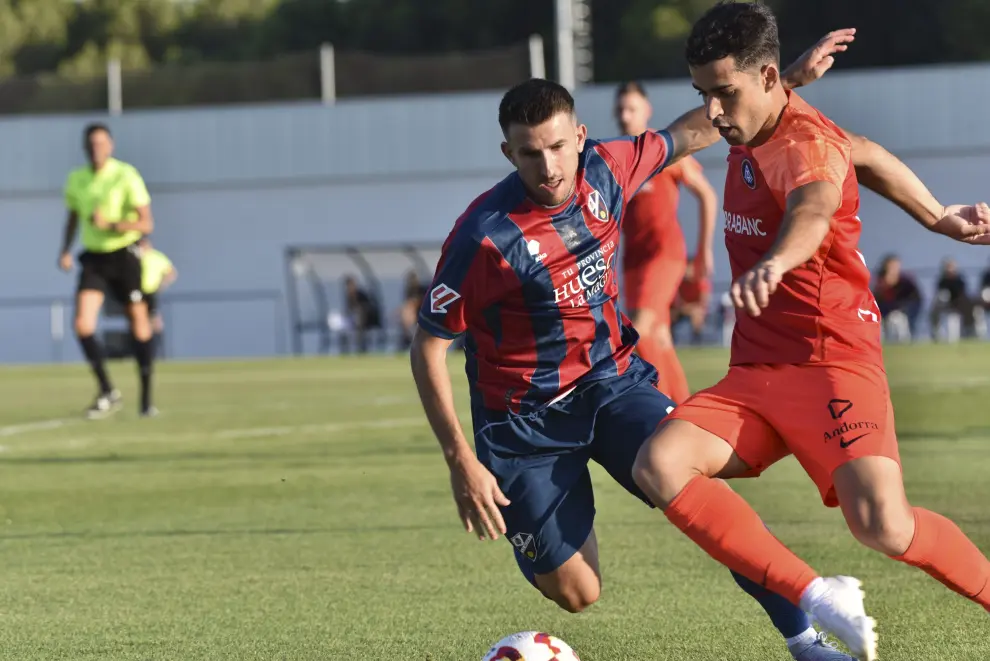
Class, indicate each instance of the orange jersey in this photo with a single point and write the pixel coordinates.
(650, 225)
(823, 310)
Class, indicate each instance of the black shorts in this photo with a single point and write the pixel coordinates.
(152, 302)
(117, 273)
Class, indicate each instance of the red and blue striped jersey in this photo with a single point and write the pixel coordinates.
(534, 289)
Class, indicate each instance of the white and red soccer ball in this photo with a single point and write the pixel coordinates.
(531, 646)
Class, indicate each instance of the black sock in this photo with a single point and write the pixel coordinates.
(145, 354)
(94, 356)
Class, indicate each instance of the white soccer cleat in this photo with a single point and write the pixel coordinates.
(840, 611)
(105, 405)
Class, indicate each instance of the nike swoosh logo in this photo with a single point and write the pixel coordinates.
(845, 444)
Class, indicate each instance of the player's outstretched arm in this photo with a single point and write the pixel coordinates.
(818, 59)
(475, 489)
(807, 221)
(886, 175)
(690, 133)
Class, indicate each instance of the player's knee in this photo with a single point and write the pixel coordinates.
(664, 466)
(663, 337)
(871, 493)
(889, 530)
(574, 586)
(140, 322)
(84, 326)
(576, 595)
(641, 322)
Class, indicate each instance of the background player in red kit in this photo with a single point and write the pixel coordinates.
(806, 373)
(654, 251)
(527, 277)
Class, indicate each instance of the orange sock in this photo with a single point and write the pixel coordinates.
(672, 381)
(718, 520)
(943, 551)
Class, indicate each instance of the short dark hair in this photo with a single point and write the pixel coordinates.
(746, 31)
(631, 87)
(94, 127)
(533, 102)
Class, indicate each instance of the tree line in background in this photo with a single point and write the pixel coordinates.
(632, 38)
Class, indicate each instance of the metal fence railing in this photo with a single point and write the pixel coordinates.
(196, 325)
(323, 74)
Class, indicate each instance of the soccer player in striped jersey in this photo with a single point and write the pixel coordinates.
(527, 276)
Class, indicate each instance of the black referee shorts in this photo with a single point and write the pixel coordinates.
(152, 302)
(116, 273)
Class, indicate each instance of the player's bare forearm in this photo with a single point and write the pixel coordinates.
(887, 176)
(691, 132)
(428, 357)
(807, 222)
(69, 235)
(800, 238)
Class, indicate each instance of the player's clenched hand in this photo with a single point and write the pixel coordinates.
(477, 496)
(818, 59)
(99, 222)
(753, 289)
(969, 224)
(65, 261)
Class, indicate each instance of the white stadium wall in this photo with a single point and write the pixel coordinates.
(232, 187)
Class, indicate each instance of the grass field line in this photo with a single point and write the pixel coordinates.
(40, 425)
(232, 434)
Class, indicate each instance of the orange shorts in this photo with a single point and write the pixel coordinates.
(652, 285)
(825, 414)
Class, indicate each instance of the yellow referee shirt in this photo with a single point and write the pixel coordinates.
(116, 191)
(154, 267)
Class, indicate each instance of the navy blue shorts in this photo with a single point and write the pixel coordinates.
(541, 460)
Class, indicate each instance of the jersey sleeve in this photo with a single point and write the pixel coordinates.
(137, 192)
(803, 158)
(466, 280)
(635, 160)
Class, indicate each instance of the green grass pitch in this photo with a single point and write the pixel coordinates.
(299, 509)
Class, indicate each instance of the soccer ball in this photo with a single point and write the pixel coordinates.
(531, 646)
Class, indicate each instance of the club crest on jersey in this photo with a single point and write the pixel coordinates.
(596, 205)
(748, 175)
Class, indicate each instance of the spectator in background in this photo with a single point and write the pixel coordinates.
(362, 311)
(951, 301)
(412, 298)
(693, 297)
(157, 274)
(983, 305)
(898, 298)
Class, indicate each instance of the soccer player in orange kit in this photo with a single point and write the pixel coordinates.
(655, 254)
(806, 374)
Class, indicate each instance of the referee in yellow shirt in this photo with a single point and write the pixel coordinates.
(157, 274)
(109, 200)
